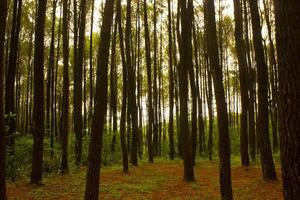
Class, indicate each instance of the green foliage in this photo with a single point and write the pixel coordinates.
(18, 161)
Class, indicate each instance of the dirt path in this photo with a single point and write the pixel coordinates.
(153, 181)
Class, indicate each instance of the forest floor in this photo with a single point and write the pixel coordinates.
(161, 180)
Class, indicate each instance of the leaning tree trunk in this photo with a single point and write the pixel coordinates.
(224, 145)
(98, 120)
(38, 108)
(267, 162)
(287, 34)
(3, 14)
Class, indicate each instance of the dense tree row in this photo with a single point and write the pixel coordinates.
(153, 79)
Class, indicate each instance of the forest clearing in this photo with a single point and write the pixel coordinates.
(161, 180)
(150, 99)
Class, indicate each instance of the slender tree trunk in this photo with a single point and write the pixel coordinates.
(224, 146)
(78, 125)
(38, 108)
(97, 129)
(273, 79)
(65, 103)
(10, 81)
(132, 88)
(171, 85)
(149, 86)
(287, 15)
(243, 81)
(183, 68)
(113, 87)
(91, 63)
(251, 87)
(267, 162)
(154, 86)
(124, 95)
(3, 15)
(50, 80)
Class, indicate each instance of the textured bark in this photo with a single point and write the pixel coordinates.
(267, 162)
(65, 100)
(240, 49)
(288, 43)
(97, 128)
(38, 108)
(3, 14)
(224, 143)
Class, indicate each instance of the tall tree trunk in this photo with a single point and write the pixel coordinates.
(251, 86)
(97, 129)
(91, 63)
(183, 68)
(50, 80)
(287, 15)
(10, 90)
(224, 146)
(149, 84)
(171, 85)
(65, 103)
(78, 126)
(193, 88)
(3, 15)
(267, 162)
(240, 49)
(114, 88)
(273, 79)
(124, 95)
(38, 108)
(132, 88)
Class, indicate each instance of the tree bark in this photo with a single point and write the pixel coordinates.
(10, 82)
(65, 100)
(267, 162)
(183, 68)
(243, 81)
(97, 128)
(171, 85)
(124, 95)
(3, 15)
(149, 84)
(38, 108)
(78, 123)
(224, 143)
(287, 15)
